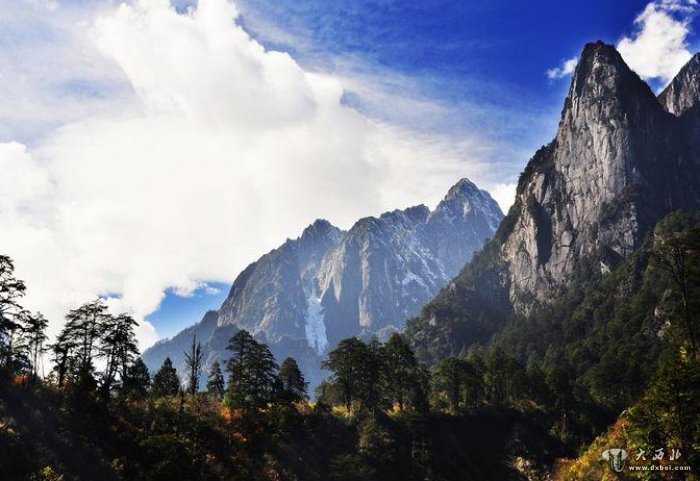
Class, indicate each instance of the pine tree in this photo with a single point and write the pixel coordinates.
(253, 382)
(193, 361)
(118, 348)
(215, 383)
(401, 372)
(450, 381)
(34, 337)
(292, 381)
(166, 381)
(11, 291)
(346, 364)
(371, 369)
(137, 381)
(78, 342)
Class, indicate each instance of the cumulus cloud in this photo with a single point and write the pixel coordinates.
(567, 68)
(658, 48)
(212, 151)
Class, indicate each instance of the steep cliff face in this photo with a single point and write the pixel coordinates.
(614, 169)
(274, 295)
(684, 91)
(326, 285)
(387, 268)
(618, 164)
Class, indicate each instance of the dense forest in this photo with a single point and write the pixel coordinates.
(613, 359)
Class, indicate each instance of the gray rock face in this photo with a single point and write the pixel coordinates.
(387, 268)
(619, 163)
(326, 285)
(270, 296)
(684, 91)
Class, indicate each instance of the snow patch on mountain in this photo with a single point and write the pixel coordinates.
(315, 326)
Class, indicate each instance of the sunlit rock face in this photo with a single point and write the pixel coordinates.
(621, 160)
(618, 164)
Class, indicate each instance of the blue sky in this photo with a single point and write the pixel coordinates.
(148, 151)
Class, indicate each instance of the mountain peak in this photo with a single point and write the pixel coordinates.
(602, 72)
(684, 90)
(319, 227)
(463, 188)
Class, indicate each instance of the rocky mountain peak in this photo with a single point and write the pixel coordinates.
(463, 200)
(583, 193)
(320, 229)
(684, 90)
(465, 188)
(603, 80)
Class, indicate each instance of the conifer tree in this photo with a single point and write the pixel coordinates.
(11, 291)
(401, 379)
(346, 364)
(166, 381)
(34, 336)
(292, 381)
(137, 381)
(215, 383)
(118, 348)
(193, 361)
(253, 382)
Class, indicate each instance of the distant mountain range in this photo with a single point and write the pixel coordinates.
(326, 285)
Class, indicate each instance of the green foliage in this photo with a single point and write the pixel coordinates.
(166, 382)
(403, 382)
(346, 362)
(253, 382)
(215, 383)
(292, 381)
(137, 381)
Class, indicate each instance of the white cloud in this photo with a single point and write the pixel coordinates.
(659, 46)
(504, 194)
(567, 68)
(211, 152)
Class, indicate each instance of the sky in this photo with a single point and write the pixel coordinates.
(150, 150)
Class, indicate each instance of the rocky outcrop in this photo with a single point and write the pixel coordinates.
(618, 164)
(684, 91)
(614, 169)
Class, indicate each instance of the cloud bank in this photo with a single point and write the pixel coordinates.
(198, 151)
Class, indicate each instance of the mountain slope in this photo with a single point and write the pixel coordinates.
(326, 285)
(618, 164)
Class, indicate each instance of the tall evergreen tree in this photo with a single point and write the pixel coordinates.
(118, 348)
(166, 381)
(11, 291)
(292, 381)
(450, 381)
(79, 340)
(34, 336)
(346, 364)
(137, 381)
(193, 361)
(215, 384)
(371, 369)
(401, 372)
(253, 382)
